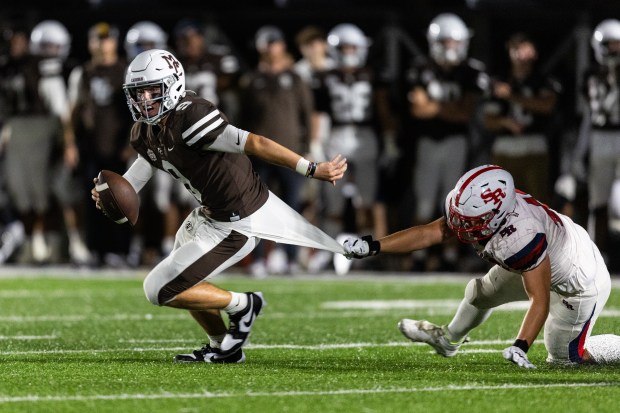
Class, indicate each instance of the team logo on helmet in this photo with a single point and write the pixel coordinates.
(493, 196)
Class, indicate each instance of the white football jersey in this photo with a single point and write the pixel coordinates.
(534, 231)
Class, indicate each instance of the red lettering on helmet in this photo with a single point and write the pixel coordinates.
(494, 196)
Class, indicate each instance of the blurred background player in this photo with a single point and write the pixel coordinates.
(443, 95)
(277, 103)
(312, 44)
(211, 68)
(101, 126)
(39, 139)
(144, 35)
(360, 121)
(11, 227)
(600, 130)
(519, 113)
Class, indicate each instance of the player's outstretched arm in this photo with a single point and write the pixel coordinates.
(407, 240)
(272, 152)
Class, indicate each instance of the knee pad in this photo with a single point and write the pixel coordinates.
(151, 290)
(474, 294)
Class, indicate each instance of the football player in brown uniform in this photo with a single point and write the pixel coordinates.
(191, 139)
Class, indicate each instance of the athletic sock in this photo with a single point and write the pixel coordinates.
(237, 303)
(467, 317)
(215, 341)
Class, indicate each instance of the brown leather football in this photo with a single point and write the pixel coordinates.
(117, 198)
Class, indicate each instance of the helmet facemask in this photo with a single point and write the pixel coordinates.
(449, 52)
(471, 229)
(139, 108)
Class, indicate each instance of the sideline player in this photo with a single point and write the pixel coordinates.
(539, 255)
(188, 137)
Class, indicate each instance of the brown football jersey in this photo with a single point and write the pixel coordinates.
(225, 183)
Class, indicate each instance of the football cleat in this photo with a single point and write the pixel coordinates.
(240, 324)
(422, 331)
(208, 354)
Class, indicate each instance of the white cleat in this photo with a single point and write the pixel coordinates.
(422, 331)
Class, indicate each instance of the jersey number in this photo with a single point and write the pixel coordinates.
(351, 103)
(168, 167)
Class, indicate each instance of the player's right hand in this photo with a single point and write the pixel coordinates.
(355, 247)
(518, 357)
(331, 171)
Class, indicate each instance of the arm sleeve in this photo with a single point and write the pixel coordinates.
(232, 139)
(139, 173)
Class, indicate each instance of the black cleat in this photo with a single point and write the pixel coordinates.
(208, 354)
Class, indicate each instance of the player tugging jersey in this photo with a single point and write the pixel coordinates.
(532, 232)
(198, 147)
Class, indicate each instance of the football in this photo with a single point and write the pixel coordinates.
(117, 198)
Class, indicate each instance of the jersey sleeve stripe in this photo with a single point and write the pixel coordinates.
(529, 255)
(206, 130)
(199, 124)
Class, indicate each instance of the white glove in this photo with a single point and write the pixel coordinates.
(518, 357)
(355, 247)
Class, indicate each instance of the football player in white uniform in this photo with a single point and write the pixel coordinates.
(539, 255)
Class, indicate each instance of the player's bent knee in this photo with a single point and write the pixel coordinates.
(474, 294)
(151, 289)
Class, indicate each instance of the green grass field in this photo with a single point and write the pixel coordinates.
(324, 344)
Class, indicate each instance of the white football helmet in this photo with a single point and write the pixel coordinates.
(479, 203)
(444, 28)
(267, 35)
(154, 68)
(607, 31)
(351, 35)
(50, 38)
(143, 36)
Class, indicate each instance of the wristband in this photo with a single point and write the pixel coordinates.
(522, 344)
(374, 246)
(311, 170)
(303, 165)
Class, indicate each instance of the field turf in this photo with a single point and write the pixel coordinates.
(78, 342)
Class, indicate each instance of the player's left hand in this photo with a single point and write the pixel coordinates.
(331, 171)
(518, 357)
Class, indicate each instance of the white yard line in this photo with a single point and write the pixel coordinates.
(339, 392)
(28, 337)
(317, 347)
(356, 311)
(69, 272)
